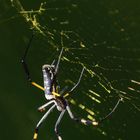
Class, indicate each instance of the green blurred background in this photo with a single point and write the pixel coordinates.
(101, 35)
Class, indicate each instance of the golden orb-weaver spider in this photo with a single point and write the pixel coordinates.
(53, 96)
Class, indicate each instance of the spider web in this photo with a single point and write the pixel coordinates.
(97, 38)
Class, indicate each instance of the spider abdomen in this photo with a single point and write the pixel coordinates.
(48, 75)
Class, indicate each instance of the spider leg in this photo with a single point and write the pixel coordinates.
(25, 66)
(113, 110)
(67, 94)
(57, 123)
(83, 121)
(53, 62)
(78, 80)
(41, 121)
(42, 108)
(59, 58)
(88, 122)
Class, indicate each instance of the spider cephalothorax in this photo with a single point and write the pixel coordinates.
(61, 103)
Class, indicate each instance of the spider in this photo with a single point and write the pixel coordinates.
(53, 95)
